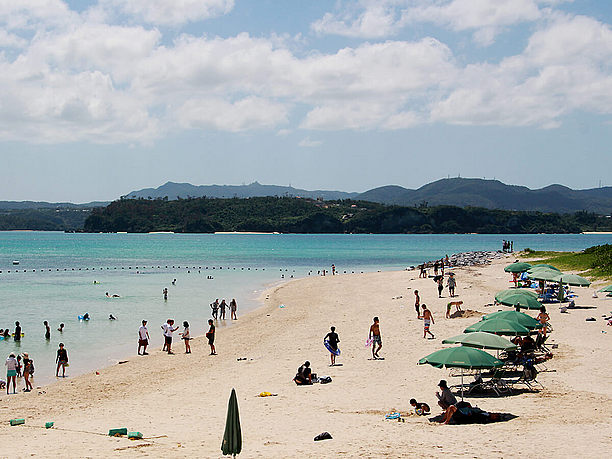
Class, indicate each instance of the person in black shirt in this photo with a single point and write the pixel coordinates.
(17, 332)
(304, 375)
(61, 360)
(331, 340)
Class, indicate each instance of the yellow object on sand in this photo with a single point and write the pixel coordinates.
(265, 394)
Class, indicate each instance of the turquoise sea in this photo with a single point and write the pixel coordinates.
(54, 280)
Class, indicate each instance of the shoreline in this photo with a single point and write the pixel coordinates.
(275, 341)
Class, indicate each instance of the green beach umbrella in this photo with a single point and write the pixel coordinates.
(544, 265)
(522, 301)
(232, 438)
(545, 274)
(461, 357)
(515, 316)
(572, 279)
(499, 327)
(514, 291)
(518, 267)
(482, 340)
(606, 289)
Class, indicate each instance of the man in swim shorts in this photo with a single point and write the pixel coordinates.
(417, 303)
(17, 336)
(332, 339)
(168, 330)
(143, 338)
(427, 321)
(374, 335)
(211, 337)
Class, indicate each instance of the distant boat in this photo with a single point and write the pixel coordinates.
(15, 262)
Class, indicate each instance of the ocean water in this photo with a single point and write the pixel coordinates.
(54, 280)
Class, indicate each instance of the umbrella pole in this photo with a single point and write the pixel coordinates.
(462, 384)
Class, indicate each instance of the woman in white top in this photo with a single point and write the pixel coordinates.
(11, 373)
(186, 338)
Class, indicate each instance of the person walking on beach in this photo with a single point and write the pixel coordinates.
(440, 282)
(417, 303)
(427, 321)
(222, 307)
(374, 335)
(143, 338)
(47, 330)
(233, 306)
(185, 337)
(27, 371)
(215, 308)
(452, 283)
(11, 373)
(211, 337)
(165, 293)
(168, 330)
(17, 336)
(331, 341)
(543, 318)
(61, 360)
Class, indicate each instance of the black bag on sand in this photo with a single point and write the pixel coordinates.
(323, 436)
(325, 380)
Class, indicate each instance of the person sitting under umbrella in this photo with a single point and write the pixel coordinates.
(446, 398)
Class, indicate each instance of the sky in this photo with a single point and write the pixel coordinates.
(99, 98)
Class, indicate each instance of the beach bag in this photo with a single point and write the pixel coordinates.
(323, 436)
(325, 380)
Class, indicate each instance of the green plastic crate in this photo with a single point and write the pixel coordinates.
(16, 422)
(117, 432)
(134, 435)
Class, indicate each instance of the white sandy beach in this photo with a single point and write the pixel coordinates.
(179, 402)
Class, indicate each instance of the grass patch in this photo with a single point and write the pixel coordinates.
(595, 262)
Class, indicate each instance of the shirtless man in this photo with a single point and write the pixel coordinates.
(376, 339)
(417, 303)
(427, 321)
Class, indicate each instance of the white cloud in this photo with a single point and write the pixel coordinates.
(309, 143)
(384, 18)
(168, 12)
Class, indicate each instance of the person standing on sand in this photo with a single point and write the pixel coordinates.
(374, 335)
(222, 307)
(168, 330)
(333, 267)
(417, 303)
(27, 370)
(427, 321)
(11, 373)
(332, 339)
(543, 318)
(61, 360)
(440, 286)
(143, 338)
(47, 330)
(185, 336)
(233, 307)
(211, 337)
(452, 283)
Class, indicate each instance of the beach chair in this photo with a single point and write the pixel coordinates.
(529, 376)
(496, 383)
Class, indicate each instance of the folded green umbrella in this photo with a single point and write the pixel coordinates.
(518, 267)
(499, 327)
(481, 340)
(572, 279)
(522, 301)
(515, 316)
(232, 438)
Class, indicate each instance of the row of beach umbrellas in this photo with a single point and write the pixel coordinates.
(548, 273)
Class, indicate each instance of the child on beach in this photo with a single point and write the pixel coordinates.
(421, 409)
(27, 370)
(211, 337)
(11, 373)
(427, 321)
(374, 335)
(143, 338)
(61, 360)
(452, 283)
(186, 338)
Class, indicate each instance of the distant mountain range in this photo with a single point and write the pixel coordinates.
(493, 194)
(460, 192)
(173, 190)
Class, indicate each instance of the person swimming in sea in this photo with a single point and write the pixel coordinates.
(114, 295)
(86, 316)
(61, 328)
(111, 317)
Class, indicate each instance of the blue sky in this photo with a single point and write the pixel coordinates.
(104, 97)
